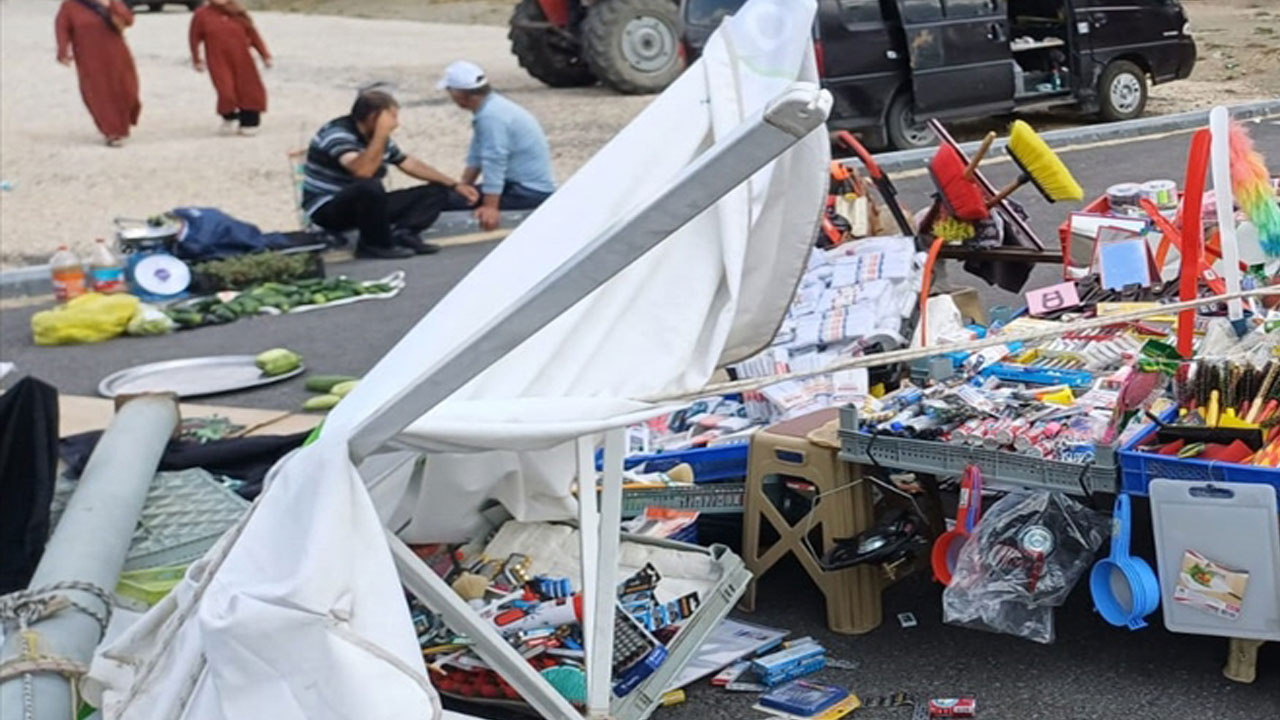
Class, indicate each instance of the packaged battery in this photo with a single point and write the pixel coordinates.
(805, 667)
(802, 697)
(778, 661)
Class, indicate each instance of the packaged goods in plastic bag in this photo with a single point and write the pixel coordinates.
(149, 320)
(90, 318)
(1027, 554)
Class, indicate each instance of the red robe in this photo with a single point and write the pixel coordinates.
(108, 78)
(227, 39)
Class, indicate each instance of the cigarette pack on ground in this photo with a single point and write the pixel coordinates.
(1205, 585)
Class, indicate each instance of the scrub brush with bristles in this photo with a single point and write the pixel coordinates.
(1040, 165)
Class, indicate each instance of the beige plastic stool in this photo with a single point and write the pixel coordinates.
(785, 449)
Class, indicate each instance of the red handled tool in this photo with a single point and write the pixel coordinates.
(946, 549)
(882, 181)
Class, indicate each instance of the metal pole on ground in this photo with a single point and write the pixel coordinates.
(67, 605)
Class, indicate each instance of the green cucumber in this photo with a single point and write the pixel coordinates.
(320, 402)
(325, 383)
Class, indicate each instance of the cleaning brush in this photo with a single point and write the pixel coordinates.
(954, 179)
(1040, 166)
(1251, 183)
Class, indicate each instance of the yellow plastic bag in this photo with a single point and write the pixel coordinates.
(90, 318)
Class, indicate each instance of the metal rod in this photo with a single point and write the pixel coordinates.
(790, 117)
(888, 358)
(589, 550)
(89, 547)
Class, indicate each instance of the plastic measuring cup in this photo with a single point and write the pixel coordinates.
(1124, 588)
(946, 549)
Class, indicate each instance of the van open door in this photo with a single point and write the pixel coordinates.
(959, 53)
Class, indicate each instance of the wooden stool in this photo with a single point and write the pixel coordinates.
(786, 450)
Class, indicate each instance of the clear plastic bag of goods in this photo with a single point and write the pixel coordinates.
(149, 320)
(90, 318)
(1027, 553)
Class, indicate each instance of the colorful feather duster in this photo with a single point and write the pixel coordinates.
(1254, 193)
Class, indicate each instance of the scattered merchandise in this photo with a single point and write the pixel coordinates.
(1233, 526)
(946, 549)
(907, 620)
(1026, 556)
(666, 523)
(1124, 588)
(722, 652)
(192, 377)
(802, 697)
(1210, 587)
(953, 707)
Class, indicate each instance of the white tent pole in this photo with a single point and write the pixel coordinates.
(600, 639)
(588, 539)
(790, 117)
(489, 645)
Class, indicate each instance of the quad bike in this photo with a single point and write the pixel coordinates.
(633, 46)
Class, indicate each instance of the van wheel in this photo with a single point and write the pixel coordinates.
(904, 130)
(1123, 91)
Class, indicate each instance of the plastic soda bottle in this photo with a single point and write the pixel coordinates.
(67, 274)
(105, 269)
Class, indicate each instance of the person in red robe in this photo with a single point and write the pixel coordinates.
(91, 34)
(227, 32)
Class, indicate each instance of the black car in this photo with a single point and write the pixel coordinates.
(892, 63)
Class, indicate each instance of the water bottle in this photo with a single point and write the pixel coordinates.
(105, 269)
(67, 274)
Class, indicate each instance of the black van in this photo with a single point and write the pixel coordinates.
(892, 63)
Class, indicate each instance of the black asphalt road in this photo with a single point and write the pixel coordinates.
(1092, 671)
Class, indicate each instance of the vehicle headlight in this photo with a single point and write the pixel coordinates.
(1186, 28)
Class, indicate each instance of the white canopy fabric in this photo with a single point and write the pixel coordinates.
(300, 615)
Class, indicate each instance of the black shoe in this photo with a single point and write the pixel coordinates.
(413, 242)
(383, 252)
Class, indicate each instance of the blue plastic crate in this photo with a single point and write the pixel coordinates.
(711, 464)
(1138, 468)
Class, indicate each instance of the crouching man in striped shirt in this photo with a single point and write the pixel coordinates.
(342, 182)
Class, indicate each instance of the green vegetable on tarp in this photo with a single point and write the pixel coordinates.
(278, 361)
(342, 388)
(325, 383)
(320, 402)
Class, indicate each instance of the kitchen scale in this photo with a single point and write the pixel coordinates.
(153, 273)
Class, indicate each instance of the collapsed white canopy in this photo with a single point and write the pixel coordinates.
(302, 616)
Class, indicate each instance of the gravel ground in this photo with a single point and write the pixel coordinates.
(67, 186)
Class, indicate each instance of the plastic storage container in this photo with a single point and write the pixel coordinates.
(1138, 469)
(710, 464)
(998, 467)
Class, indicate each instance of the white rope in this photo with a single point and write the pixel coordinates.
(896, 356)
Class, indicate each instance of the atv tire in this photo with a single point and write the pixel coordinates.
(542, 53)
(633, 46)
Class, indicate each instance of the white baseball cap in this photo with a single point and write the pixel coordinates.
(462, 75)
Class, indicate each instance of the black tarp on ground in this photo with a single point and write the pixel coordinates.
(28, 468)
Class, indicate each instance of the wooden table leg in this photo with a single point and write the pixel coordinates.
(1242, 660)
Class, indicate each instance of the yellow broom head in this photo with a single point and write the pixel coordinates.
(1041, 164)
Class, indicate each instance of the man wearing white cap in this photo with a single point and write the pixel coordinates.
(509, 155)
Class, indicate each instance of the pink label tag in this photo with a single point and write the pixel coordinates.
(1052, 299)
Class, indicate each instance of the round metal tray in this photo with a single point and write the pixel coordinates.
(191, 377)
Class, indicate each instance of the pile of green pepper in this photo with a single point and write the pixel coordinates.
(282, 296)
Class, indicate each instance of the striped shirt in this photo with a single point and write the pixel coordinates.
(324, 176)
